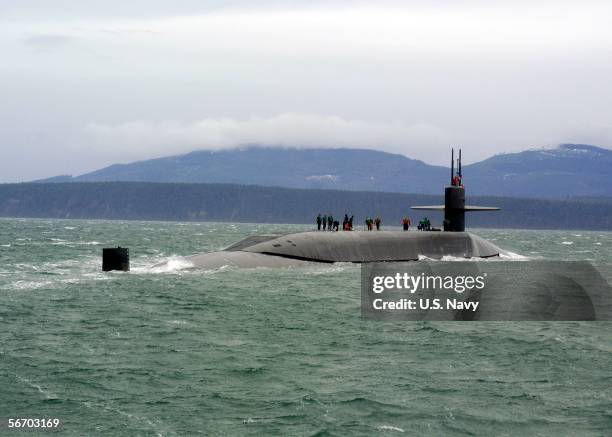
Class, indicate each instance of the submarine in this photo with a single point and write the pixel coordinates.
(306, 248)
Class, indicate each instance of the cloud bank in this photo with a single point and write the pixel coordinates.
(89, 84)
(145, 139)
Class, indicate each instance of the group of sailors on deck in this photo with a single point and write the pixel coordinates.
(327, 222)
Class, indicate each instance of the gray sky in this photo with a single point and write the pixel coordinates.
(88, 84)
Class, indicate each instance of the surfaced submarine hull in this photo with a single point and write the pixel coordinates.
(304, 248)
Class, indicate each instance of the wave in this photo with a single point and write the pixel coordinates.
(506, 255)
(325, 269)
(46, 393)
(458, 258)
(28, 285)
(172, 264)
(59, 242)
(390, 428)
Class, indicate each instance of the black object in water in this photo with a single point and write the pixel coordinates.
(116, 258)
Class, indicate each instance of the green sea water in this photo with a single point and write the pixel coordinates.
(173, 351)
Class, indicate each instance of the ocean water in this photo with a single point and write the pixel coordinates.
(172, 351)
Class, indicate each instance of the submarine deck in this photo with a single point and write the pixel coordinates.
(301, 248)
(369, 246)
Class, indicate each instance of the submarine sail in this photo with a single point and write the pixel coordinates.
(454, 200)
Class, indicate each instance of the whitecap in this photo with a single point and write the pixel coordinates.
(447, 258)
(42, 391)
(28, 285)
(390, 428)
(336, 267)
(567, 242)
(507, 255)
(456, 258)
(173, 264)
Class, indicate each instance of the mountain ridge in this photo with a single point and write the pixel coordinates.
(568, 170)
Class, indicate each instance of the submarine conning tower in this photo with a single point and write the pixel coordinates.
(454, 200)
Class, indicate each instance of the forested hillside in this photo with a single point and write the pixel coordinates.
(242, 203)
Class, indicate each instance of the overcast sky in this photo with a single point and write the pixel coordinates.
(88, 84)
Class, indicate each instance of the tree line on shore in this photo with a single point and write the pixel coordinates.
(250, 203)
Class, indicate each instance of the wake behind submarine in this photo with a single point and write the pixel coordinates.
(305, 248)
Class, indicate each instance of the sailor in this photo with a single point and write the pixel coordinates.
(350, 223)
(336, 225)
(406, 223)
(345, 223)
(330, 222)
(319, 222)
(324, 222)
(377, 223)
(456, 181)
